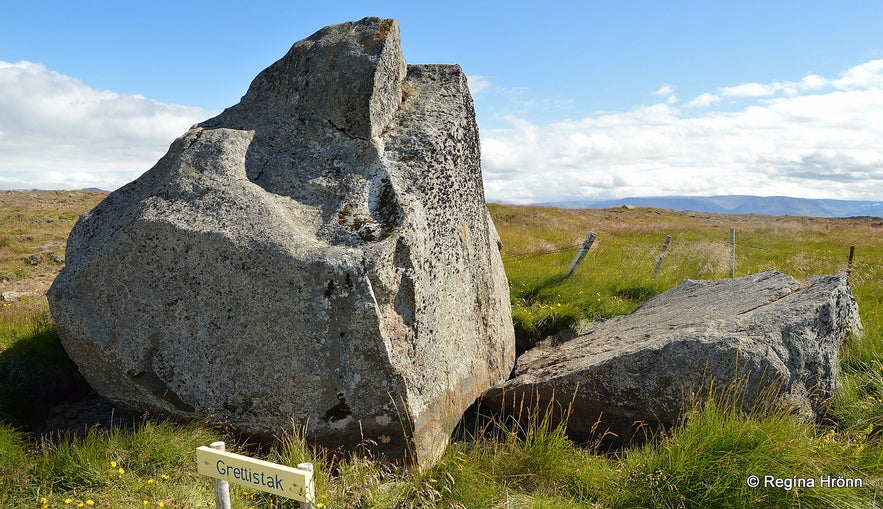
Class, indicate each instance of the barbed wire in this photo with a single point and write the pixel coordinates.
(542, 253)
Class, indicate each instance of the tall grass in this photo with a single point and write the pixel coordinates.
(150, 466)
(704, 461)
(707, 460)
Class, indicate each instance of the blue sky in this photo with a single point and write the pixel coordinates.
(574, 100)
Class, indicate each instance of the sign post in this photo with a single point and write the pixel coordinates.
(222, 488)
(226, 467)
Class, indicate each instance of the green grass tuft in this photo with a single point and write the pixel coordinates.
(703, 462)
(706, 461)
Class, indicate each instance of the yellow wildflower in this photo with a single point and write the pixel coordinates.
(161, 503)
(121, 471)
(90, 502)
(68, 500)
(166, 477)
(113, 464)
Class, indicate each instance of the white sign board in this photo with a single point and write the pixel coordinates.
(257, 474)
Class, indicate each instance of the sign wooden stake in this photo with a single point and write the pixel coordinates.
(222, 487)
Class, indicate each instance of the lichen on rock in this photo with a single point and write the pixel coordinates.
(761, 339)
(319, 253)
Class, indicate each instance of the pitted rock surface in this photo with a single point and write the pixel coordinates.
(319, 254)
(766, 335)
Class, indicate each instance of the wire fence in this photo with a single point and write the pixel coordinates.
(848, 258)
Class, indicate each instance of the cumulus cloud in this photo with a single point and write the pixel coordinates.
(477, 83)
(57, 132)
(866, 75)
(814, 137)
(668, 92)
(704, 100)
(817, 137)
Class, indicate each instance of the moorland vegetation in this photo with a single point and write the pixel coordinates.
(705, 461)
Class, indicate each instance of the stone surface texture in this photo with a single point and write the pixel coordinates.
(764, 332)
(319, 254)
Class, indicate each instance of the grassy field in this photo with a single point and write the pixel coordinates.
(704, 462)
(33, 231)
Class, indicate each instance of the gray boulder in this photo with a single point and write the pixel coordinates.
(319, 254)
(759, 335)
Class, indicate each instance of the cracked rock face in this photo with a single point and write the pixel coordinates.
(319, 254)
(767, 332)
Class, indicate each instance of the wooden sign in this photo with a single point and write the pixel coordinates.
(257, 474)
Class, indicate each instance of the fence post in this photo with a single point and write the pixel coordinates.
(222, 488)
(587, 244)
(732, 253)
(662, 254)
(849, 264)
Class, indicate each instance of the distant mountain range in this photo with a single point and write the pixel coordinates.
(740, 204)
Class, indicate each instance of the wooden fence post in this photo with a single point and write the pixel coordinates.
(732, 252)
(222, 488)
(587, 244)
(849, 264)
(662, 254)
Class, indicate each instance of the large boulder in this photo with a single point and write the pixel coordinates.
(318, 254)
(765, 338)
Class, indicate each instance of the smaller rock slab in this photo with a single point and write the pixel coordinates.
(768, 332)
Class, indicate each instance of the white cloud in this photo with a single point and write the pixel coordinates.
(668, 92)
(477, 83)
(869, 74)
(750, 90)
(57, 132)
(664, 91)
(704, 100)
(816, 137)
